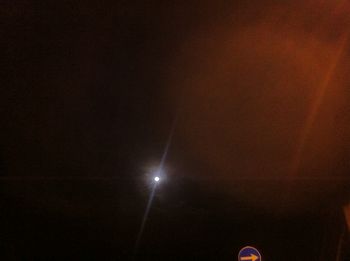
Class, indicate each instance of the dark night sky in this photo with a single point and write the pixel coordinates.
(260, 153)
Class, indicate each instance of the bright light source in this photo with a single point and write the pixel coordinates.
(156, 179)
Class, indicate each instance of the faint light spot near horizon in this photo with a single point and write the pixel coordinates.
(156, 179)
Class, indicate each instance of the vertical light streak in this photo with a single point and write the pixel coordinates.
(314, 108)
(144, 219)
(151, 197)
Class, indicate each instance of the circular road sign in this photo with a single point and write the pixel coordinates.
(249, 253)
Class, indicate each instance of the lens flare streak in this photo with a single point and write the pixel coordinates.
(314, 109)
